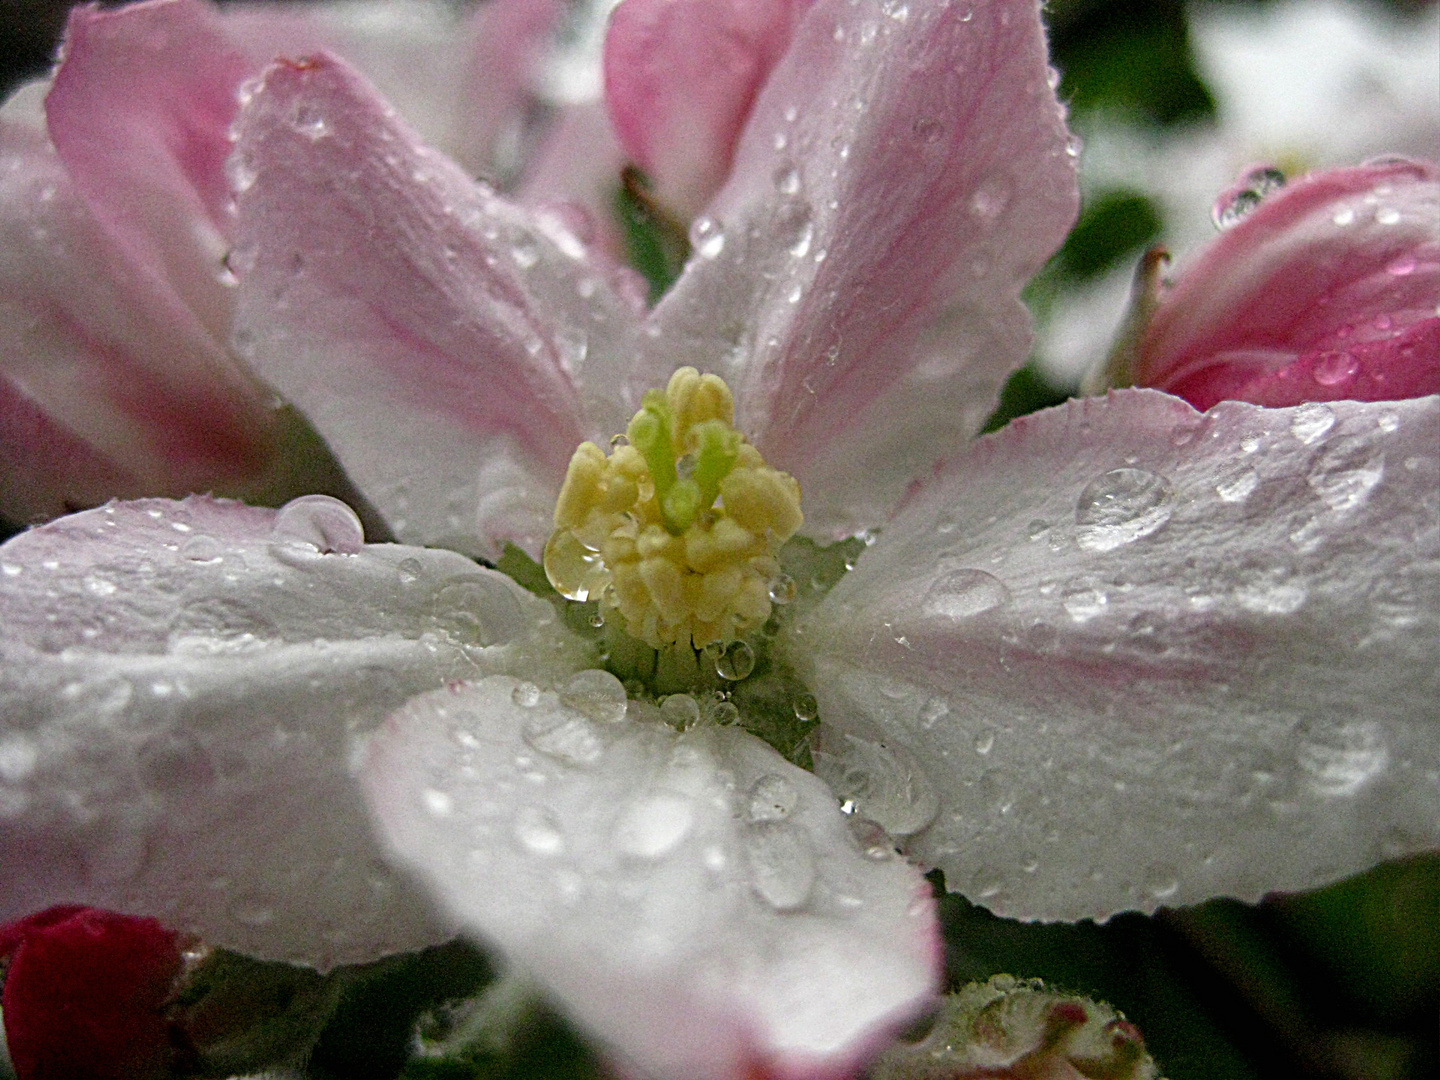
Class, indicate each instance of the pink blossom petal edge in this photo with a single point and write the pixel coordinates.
(1328, 290)
(680, 78)
(857, 279)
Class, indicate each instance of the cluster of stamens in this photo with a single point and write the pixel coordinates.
(676, 531)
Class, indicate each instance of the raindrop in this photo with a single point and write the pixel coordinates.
(787, 180)
(526, 695)
(1344, 216)
(932, 712)
(478, 612)
(800, 246)
(437, 803)
(927, 129)
(990, 199)
(1340, 760)
(782, 864)
(652, 827)
(1037, 529)
(240, 171)
(1402, 267)
(874, 842)
(1121, 506)
(985, 742)
(680, 711)
(1245, 195)
(735, 661)
(886, 784)
(538, 830)
(202, 549)
(1345, 477)
(597, 620)
(986, 882)
(1237, 485)
(1388, 216)
(772, 798)
(617, 441)
(782, 590)
(707, 237)
(962, 594)
(319, 521)
(1161, 881)
(308, 122)
(569, 740)
(1310, 421)
(1083, 599)
(806, 707)
(216, 625)
(1334, 368)
(723, 714)
(408, 571)
(525, 252)
(240, 260)
(597, 694)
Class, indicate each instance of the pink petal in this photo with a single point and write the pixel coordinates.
(463, 83)
(695, 901)
(857, 282)
(186, 688)
(1147, 656)
(139, 113)
(429, 328)
(680, 79)
(97, 353)
(1326, 285)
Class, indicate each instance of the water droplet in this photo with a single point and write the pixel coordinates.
(886, 784)
(985, 742)
(990, 199)
(652, 826)
(217, 625)
(1310, 421)
(1339, 760)
(986, 882)
(1237, 484)
(680, 711)
(787, 179)
(597, 620)
(99, 585)
(526, 695)
(538, 830)
(782, 864)
(1037, 529)
(251, 908)
(478, 611)
(1403, 266)
(1334, 368)
(617, 441)
(596, 694)
(1245, 195)
(962, 594)
(782, 590)
(320, 522)
(570, 740)
(722, 713)
(1083, 599)
(1344, 216)
(408, 571)
(1269, 590)
(525, 251)
(308, 122)
(437, 803)
(735, 662)
(927, 129)
(800, 246)
(1388, 216)
(932, 712)
(1161, 881)
(1121, 506)
(707, 237)
(806, 707)
(1346, 475)
(772, 797)
(202, 549)
(241, 172)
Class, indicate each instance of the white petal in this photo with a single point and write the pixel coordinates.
(1151, 656)
(186, 690)
(624, 865)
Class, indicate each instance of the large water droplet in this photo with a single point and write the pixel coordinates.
(1161, 881)
(961, 594)
(885, 783)
(596, 694)
(787, 179)
(478, 612)
(1121, 506)
(1339, 760)
(1345, 476)
(319, 521)
(707, 237)
(570, 740)
(772, 797)
(989, 200)
(1334, 368)
(782, 590)
(680, 711)
(1310, 421)
(805, 707)
(652, 826)
(1245, 195)
(735, 661)
(1237, 484)
(439, 804)
(782, 864)
(217, 625)
(1083, 599)
(538, 830)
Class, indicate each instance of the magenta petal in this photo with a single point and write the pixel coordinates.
(139, 112)
(1322, 292)
(430, 329)
(857, 280)
(680, 78)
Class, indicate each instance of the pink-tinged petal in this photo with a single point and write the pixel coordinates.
(98, 354)
(139, 112)
(85, 993)
(463, 83)
(185, 691)
(1148, 656)
(694, 901)
(1326, 291)
(429, 328)
(903, 173)
(680, 79)
(576, 171)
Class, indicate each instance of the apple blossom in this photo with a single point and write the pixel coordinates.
(1116, 655)
(1329, 289)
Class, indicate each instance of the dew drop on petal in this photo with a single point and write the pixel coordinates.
(438, 803)
(569, 740)
(326, 524)
(1237, 485)
(1120, 507)
(1334, 368)
(596, 694)
(1310, 421)
(806, 707)
(782, 864)
(707, 237)
(1339, 761)
(525, 694)
(735, 661)
(537, 830)
(885, 783)
(1245, 195)
(771, 798)
(652, 826)
(961, 594)
(1083, 599)
(478, 612)
(782, 590)
(680, 711)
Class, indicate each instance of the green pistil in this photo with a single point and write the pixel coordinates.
(682, 498)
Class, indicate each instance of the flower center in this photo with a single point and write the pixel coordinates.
(676, 531)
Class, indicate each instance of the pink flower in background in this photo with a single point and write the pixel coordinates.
(85, 992)
(117, 375)
(1329, 290)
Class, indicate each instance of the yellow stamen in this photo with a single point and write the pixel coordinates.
(676, 532)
